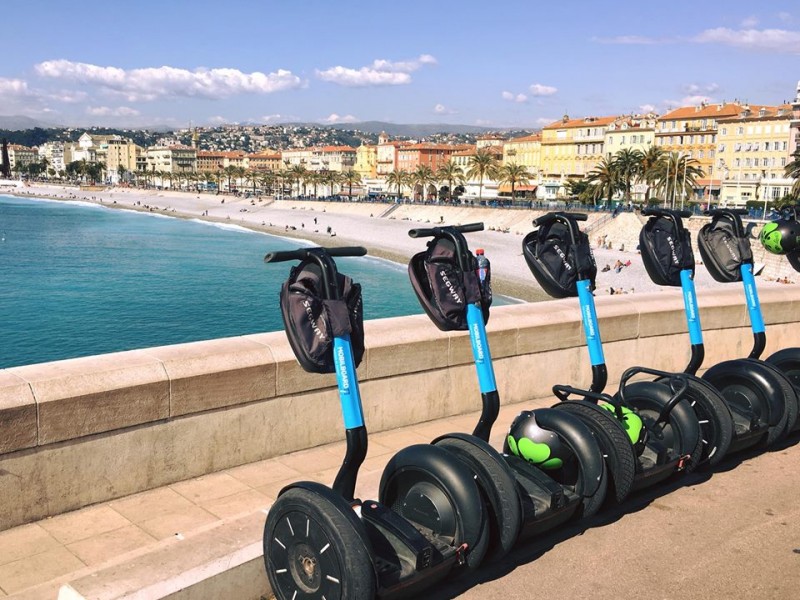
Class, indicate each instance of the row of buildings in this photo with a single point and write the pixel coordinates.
(742, 149)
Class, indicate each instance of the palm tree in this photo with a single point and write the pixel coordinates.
(628, 164)
(398, 179)
(332, 178)
(677, 176)
(481, 165)
(296, 173)
(652, 165)
(351, 177)
(604, 180)
(579, 189)
(514, 174)
(423, 176)
(793, 170)
(453, 174)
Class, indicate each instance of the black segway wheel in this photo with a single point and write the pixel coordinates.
(583, 470)
(788, 362)
(436, 492)
(714, 418)
(497, 485)
(613, 441)
(753, 392)
(681, 432)
(313, 550)
(789, 395)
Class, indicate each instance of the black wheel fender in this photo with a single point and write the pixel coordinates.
(612, 439)
(789, 392)
(453, 478)
(709, 405)
(580, 438)
(651, 395)
(755, 376)
(788, 361)
(498, 483)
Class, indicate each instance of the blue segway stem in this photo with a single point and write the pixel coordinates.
(754, 311)
(690, 307)
(590, 326)
(346, 379)
(753, 305)
(480, 349)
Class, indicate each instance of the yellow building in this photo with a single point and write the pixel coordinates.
(752, 153)
(525, 151)
(692, 131)
(366, 161)
(571, 148)
(265, 161)
(176, 160)
(20, 157)
(630, 132)
(121, 155)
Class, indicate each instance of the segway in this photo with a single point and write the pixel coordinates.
(666, 249)
(552, 468)
(783, 237)
(759, 394)
(321, 542)
(668, 258)
(647, 430)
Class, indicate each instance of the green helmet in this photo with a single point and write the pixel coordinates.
(781, 236)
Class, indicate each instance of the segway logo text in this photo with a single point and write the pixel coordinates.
(317, 331)
(478, 343)
(344, 376)
(672, 252)
(563, 257)
(691, 311)
(451, 288)
(588, 322)
(734, 254)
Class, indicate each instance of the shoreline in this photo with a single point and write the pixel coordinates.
(354, 224)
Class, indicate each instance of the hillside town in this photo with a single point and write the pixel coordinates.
(732, 153)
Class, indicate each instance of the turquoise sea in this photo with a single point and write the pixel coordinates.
(80, 279)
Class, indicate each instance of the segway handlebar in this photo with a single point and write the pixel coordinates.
(434, 231)
(302, 253)
(563, 392)
(678, 384)
(552, 216)
(726, 211)
(666, 212)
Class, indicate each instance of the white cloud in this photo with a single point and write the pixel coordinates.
(441, 109)
(218, 120)
(69, 96)
(380, 72)
(749, 22)
(543, 121)
(105, 111)
(161, 82)
(512, 97)
(647, 108)
(334, 118)
(272, 118)
(693, 88)
(13, 88)
(773, 40)
(785, 17)
(537, 89)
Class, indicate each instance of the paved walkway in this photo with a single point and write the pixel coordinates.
(733, 534)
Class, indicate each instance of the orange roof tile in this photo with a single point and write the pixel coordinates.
(585, 122)
(536, 137)
(704, 111)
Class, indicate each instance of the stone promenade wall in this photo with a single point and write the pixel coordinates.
(81, 431)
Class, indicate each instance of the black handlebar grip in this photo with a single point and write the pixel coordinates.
(659, 212)
(469, 227)
(434, 231)
(727, 211)
(284, 255)
(301, 253)
(347, 251)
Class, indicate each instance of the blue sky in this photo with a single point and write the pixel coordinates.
(498, 64)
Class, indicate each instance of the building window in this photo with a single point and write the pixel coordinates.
(766, 146)
(699, 154)
(724, 131)
(739, 130)
(722, 147)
